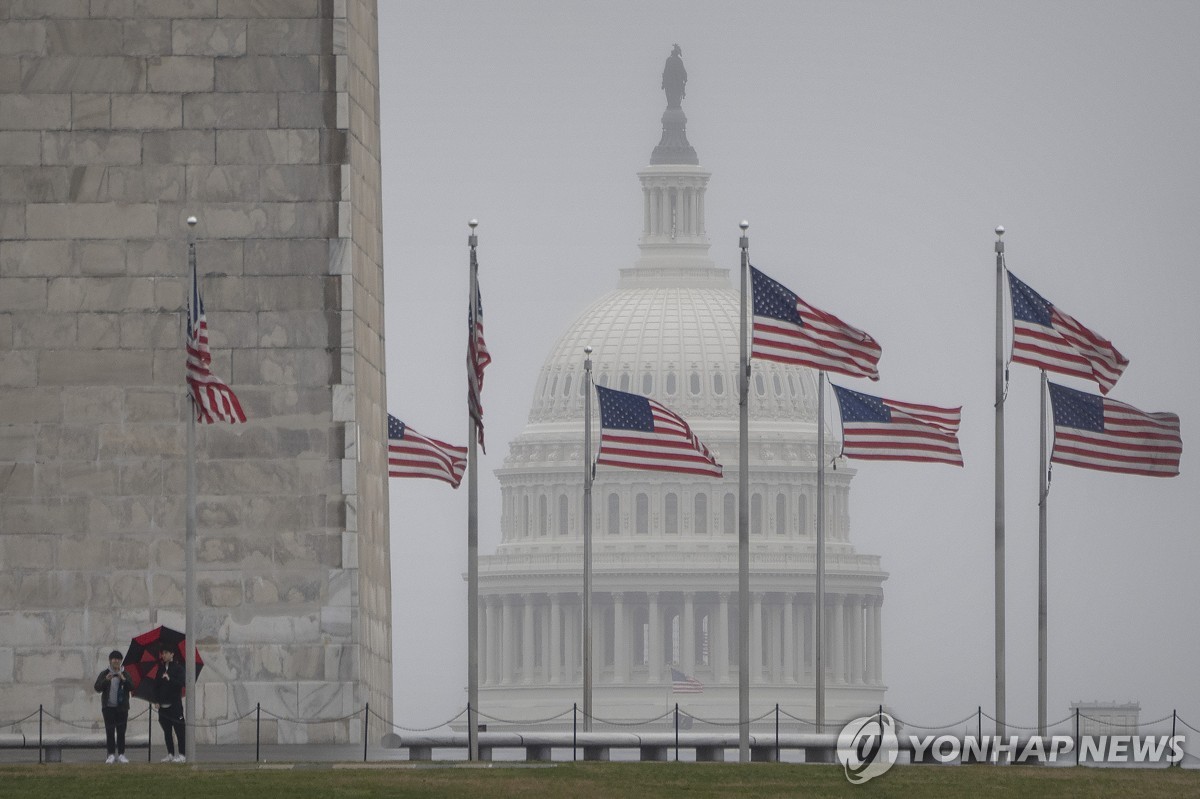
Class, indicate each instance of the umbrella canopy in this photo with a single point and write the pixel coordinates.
(142, 663)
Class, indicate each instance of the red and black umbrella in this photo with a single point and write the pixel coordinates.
(142, 661)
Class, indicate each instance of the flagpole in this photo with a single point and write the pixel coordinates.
(819, 628)
(744, 515)
(587, 540)
(189, 623)
(472, 526)
(1043, 497)
(999, 488)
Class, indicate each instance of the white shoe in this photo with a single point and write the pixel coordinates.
(108, 761)
(180, 759)
(168, 759)
(122, 759)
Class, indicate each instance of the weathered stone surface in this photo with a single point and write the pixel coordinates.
(146, 111)
(83, 74)
(33, 184)
(230, 110)
(146, 37)
(38, 330)
(286, 256)
(213, 37)
(156, 257)
(180, 74)
(96, 258)
(94, 403)
(91, 147)
(30, 111)
(91, 111)
(153, 330)
(76, 37)
(296, 328)
(286, 36)
(91, 221)
(224, 183)
(271, 8)
(268, 147)
(67, 294)
(18, 368)
(23, 38)
(119, 440)
(46, 9)
(178, 147)
(34, 258)
(154, 8)
(22, 293)
(24, 147)
(153, 405)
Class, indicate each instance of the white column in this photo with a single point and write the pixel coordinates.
(869, 640)
(756, 632)
(527, 638)
(507, 641)
(486, 672)
(877, 608)
(655, 655)
(645, 211)
(572, 646)
(838, 644)
(556, 645)
(720, 641)
(687, 634)
(620, 640)
(807, 608)
(854, 603)
(789, 640)
(547, 650)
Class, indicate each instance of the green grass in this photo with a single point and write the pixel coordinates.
(583, 781)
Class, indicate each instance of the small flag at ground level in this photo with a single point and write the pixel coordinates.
(789, 330)
(478, 358)
(880, 429)
(213, 399)
(411, 454)
(1045, 337)
(1094, 432)
(640, 433)
(685, 683)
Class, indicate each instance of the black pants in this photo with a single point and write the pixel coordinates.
(115, 719)
(170, 718)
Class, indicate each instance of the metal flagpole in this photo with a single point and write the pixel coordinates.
(587, 540)
(819, 627)
(1043, 496)
(999, 447)
(472, 524)
(744, 515)
(189, 623)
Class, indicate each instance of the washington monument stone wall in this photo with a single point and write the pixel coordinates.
(118, 120)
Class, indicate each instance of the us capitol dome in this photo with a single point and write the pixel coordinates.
(665, 546)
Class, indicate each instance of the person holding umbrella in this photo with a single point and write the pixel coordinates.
(114, 686)
(168, 698)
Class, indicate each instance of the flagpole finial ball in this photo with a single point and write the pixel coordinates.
(473, 223)
(587, 350)
(999, 230)
(745, 225)
(191, 220)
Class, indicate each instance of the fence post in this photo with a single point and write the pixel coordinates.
(776, 732)
(979, 722)
(574, 730)
(366, 716)
(1173, 717)
(1077, 736)
(257, 729)
(150, 733)
(39, 734)
(676, 732)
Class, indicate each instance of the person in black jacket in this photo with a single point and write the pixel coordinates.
(114, 686)
(168, 698)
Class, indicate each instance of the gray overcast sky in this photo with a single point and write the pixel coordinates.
(873, 147)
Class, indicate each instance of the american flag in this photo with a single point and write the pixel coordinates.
(213, 399)
(411, 454)
(1045, 337)
(1094, 432)
(685, 683)
(478, 358)
(880, 429)
(640, 433)
(789, 330)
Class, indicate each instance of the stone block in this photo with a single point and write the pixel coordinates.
(153, 405)
(146, 37)
(293, 628)
(33, 184)
(34, 258)
(276, 367)
(271, 8)
(325, 700)
(301, 182)
(209, 37)
(6, 664)
(23, 293)
(23, 38)
(221, 594)
(84, 478)
(99, 330)
(25, 629)
(12, 221)
(84, 74)
(100, 258)
(296, 328)
(225, 183)
(268, 147)
(180, 74)
(167, 9)
(76, 37)
(285, 36)
(81, 552)
(18, 442)
(286, 256)
(169, 294)
(230, 110)
(39, 330)
(178, 147)
(17, 480)
(277, 73)
(91, 147)
(47, 9)
(156, 257)
(10, 74)
(166, 590)
(94, 404)
(18, 369)
(307, 109)
(56, 589)
(220, 256)
(129, 589)
(149, 330)
(143, 440)
(108, 295)
(119, 514)
(147, 111)
(34, 111)
(90, 221)
(91, 111)
(20, 147)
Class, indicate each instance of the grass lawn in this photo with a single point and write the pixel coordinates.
(582, 781)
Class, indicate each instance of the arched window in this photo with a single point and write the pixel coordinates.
(671, 514)
(718, 384)
(624, 381)
(792, 384)
(567, 386)
(781, 514)
(778, 384)
(729, 515)
(671, 384)
(802, 515)
(553, 385)
(603, 381)
(756, 514)
(760, 385)
(642, 514)
(694, 384)
(525, 531)
(543, 515)
(562, 514)
(700, 512)
(647, 384)
(614, 514)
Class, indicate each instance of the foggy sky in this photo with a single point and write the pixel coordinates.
(873, 147)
